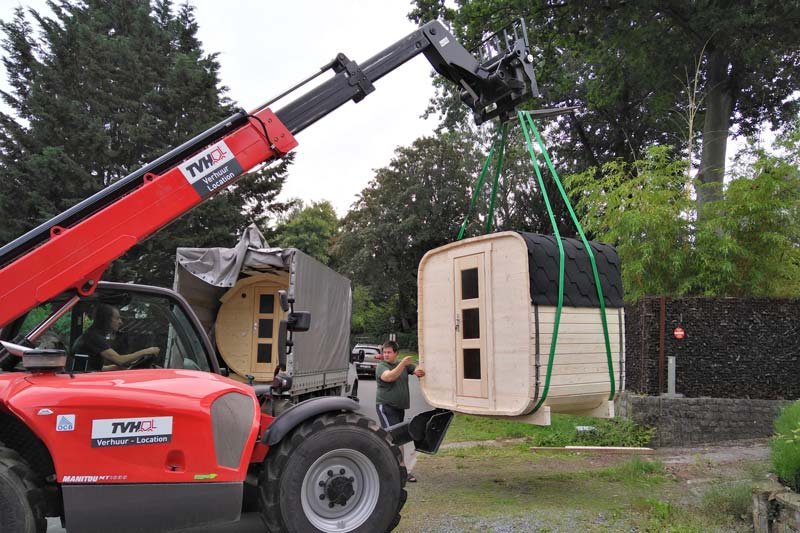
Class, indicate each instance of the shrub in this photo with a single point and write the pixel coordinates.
(786, 446)
(616, 432)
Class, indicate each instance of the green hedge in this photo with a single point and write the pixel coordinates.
(786, 446)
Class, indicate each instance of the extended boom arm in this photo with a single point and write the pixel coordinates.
(73, 249)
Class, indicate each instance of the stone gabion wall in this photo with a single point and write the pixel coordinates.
(641, 335)
(688, 421)
(733, 348)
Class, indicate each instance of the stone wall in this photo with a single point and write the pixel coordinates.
(776, 509)
(688, 421)
(733, 347)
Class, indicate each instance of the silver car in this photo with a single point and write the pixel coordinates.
(372, 354)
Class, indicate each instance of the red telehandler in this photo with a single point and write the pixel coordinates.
(170, 442)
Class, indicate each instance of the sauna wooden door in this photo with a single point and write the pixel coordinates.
(470, 325)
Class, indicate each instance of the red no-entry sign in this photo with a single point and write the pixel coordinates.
(679, 333)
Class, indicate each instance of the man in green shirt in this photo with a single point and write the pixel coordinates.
(391, 397)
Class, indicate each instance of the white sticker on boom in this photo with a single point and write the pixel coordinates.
(211, 169)
(131, 431)
(444, 41)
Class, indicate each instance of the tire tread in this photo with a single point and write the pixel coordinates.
(269, 494)
(13, 463)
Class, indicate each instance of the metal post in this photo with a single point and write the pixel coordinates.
(671, 375)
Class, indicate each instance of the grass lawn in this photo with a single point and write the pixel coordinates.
(402, 353)
(510, 488)
(562, 432)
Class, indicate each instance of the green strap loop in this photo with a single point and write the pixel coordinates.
(498, 166)
(499, 140)
(526, 122)
(588, 250)
(478, 187)
(529, 143)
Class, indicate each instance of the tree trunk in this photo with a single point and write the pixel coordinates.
(719, 104)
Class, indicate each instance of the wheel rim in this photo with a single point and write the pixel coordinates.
(340, 491)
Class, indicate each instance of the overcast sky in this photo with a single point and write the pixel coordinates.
(265, 47)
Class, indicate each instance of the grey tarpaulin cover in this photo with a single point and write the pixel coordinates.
(203, 275)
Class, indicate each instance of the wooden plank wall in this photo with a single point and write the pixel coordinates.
(580, 365)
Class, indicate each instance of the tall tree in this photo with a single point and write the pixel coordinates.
(747, 244)
(309, 228)
(98, 89)
(626, 64)
(415, 204)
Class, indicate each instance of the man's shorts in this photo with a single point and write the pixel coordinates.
(388, 415)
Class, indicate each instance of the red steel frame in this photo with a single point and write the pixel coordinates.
(76, 257)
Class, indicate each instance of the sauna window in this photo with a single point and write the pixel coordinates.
(472, 363)
(265, 328)
(266, 303)
(264, 353)
(469, 284)
(472, 323)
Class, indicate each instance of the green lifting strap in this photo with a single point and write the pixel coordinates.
(524, 117)
(497, 167)
(560, 260)
(500, 139)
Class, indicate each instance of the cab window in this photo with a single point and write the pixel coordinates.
(145, 320)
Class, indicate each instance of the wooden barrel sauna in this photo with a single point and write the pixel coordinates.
(487, 309)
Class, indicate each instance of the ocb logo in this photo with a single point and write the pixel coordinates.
(65, 423)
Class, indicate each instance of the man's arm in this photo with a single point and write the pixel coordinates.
(112, 356)
(393, 375)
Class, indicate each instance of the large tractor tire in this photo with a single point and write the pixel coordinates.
(21, 500)
(338, 472)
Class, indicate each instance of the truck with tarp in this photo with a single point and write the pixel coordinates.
(235, 293)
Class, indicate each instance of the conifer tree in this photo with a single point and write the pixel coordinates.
(98, 89)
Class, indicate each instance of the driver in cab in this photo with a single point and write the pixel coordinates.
(95, 342)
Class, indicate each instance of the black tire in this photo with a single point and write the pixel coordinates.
(324, 456)
(21, 499)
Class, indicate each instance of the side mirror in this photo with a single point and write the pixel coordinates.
(299, 321)
(284, 300)
(224, 372)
